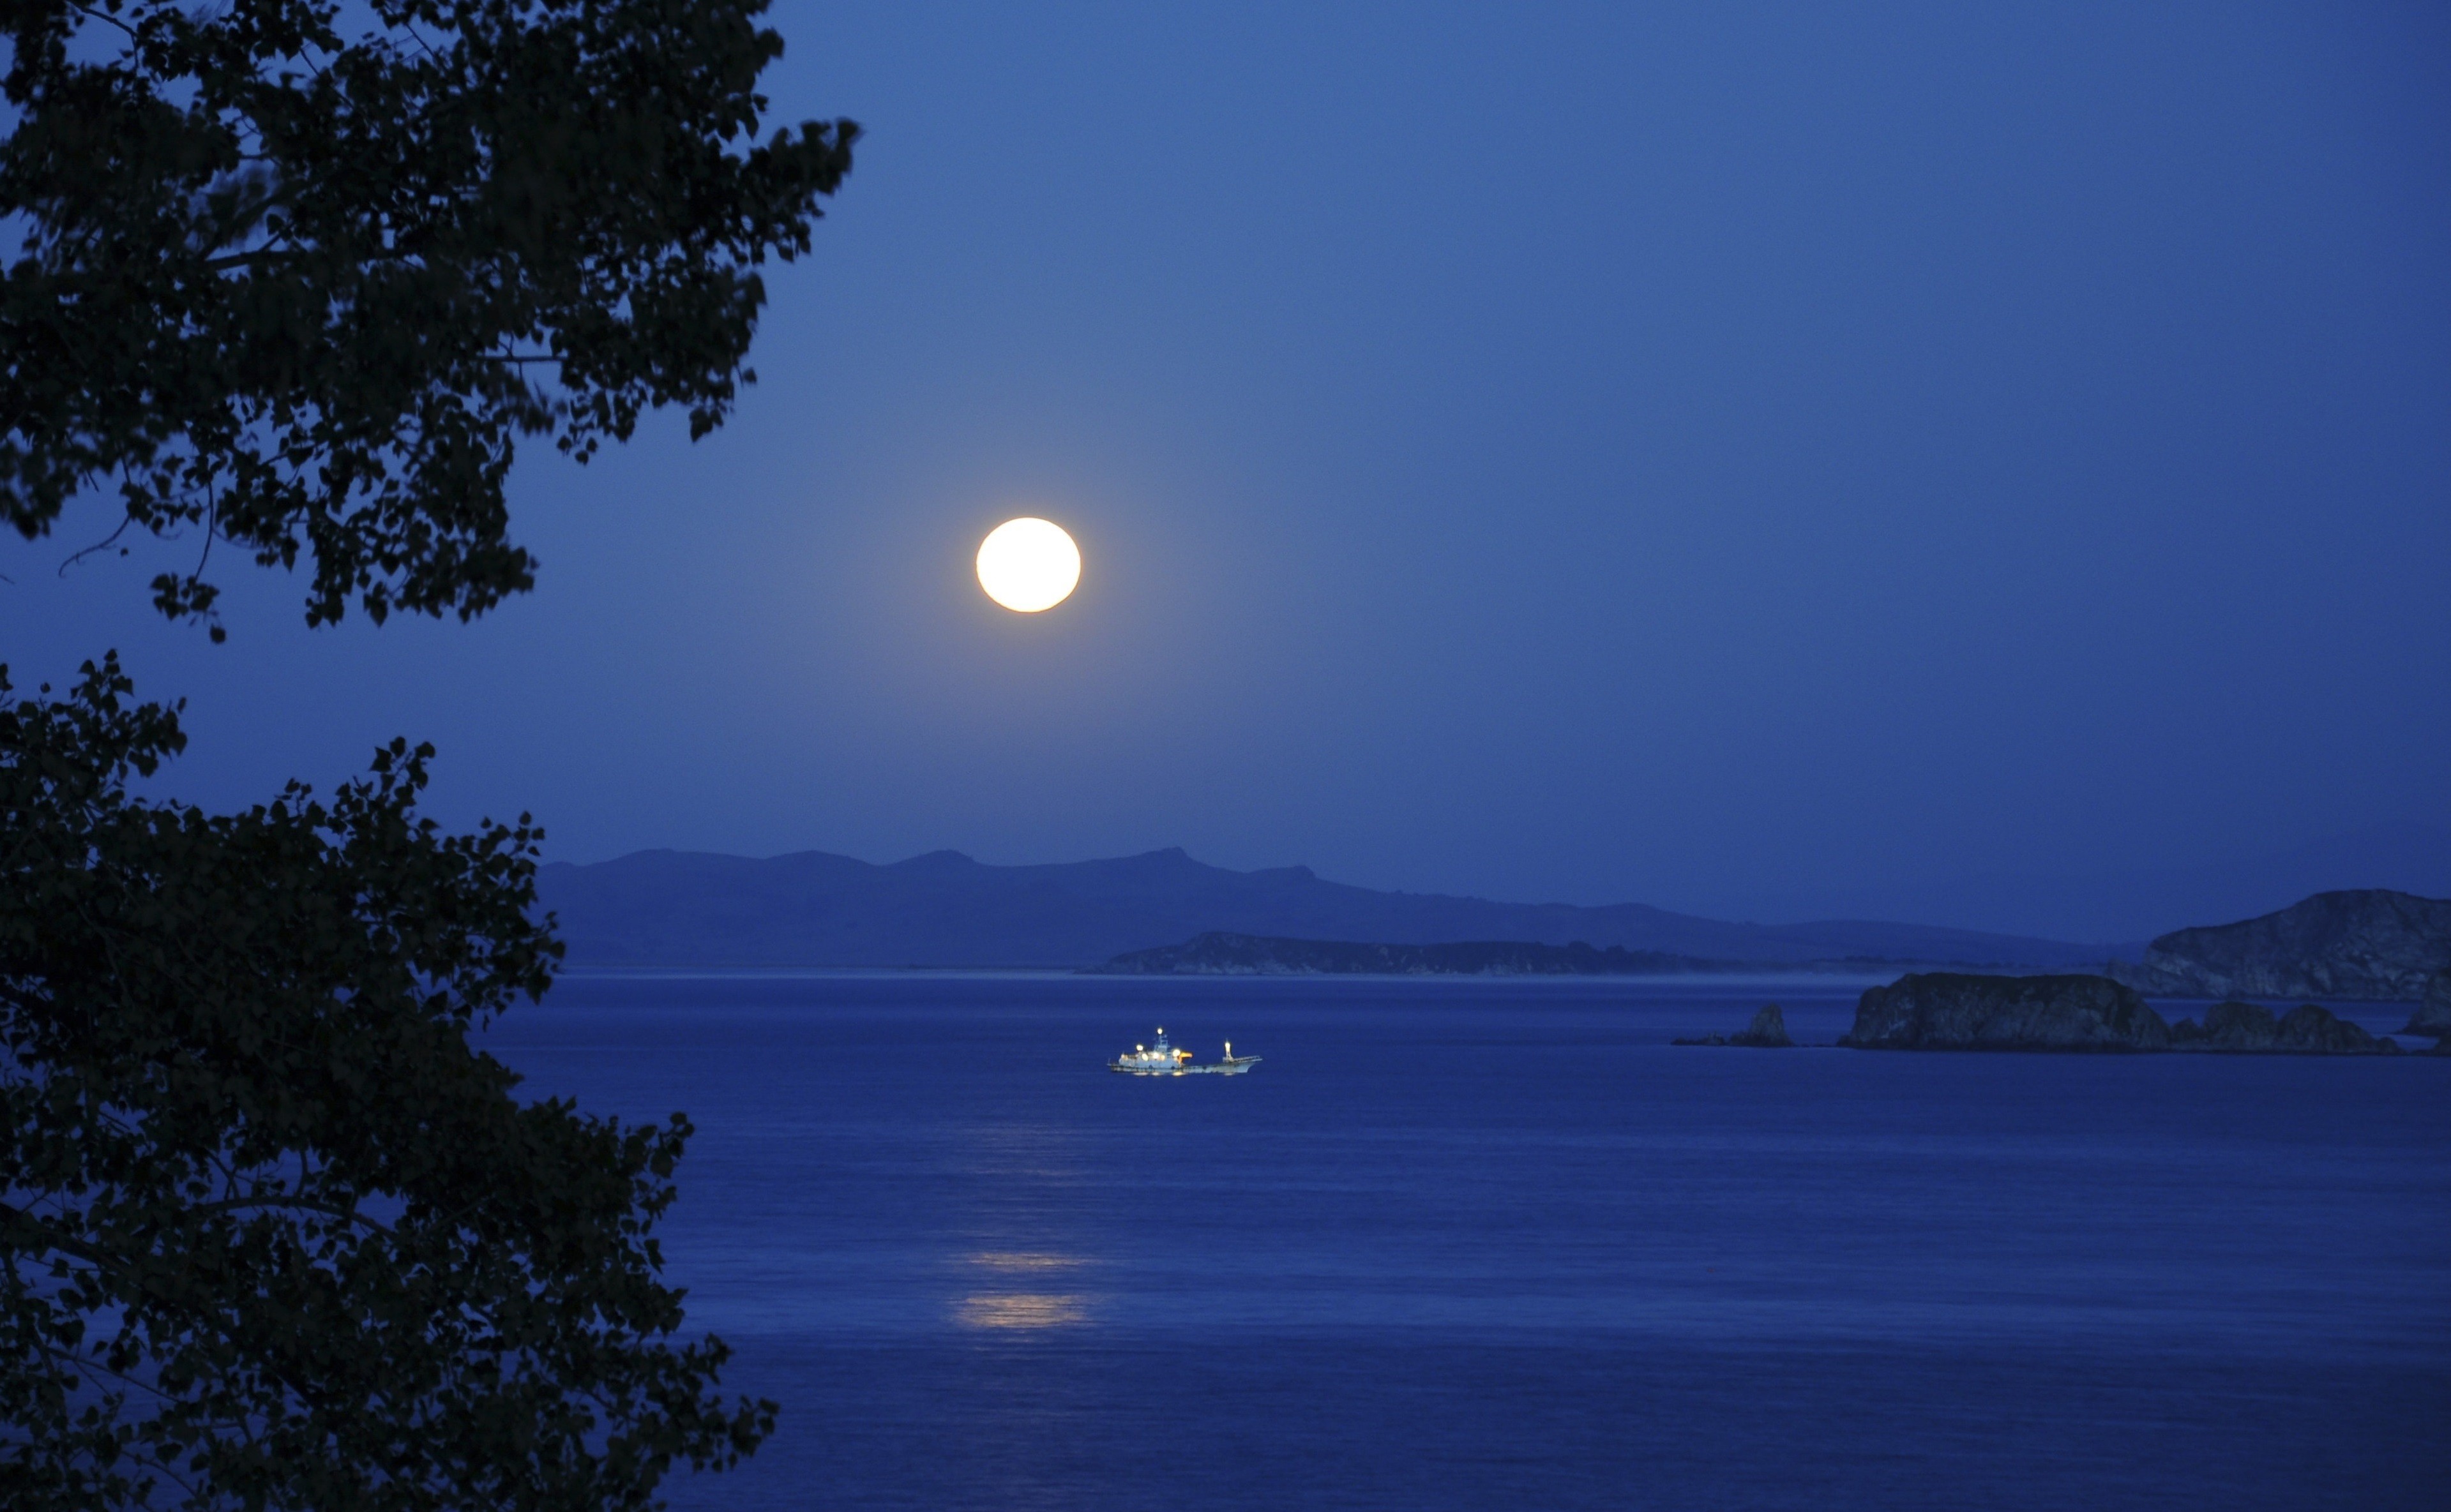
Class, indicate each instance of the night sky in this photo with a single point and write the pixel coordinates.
(1765, 462)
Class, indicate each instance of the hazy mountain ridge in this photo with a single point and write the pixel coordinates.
(1217, 954)
(683, 908)
(2141, 902)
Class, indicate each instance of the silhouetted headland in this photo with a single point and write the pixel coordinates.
(2367, 945)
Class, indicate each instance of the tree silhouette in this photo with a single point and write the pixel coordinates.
(302, 291)
(272, 1233)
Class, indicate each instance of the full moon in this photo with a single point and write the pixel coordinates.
(1028, 564)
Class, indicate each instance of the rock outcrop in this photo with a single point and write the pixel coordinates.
(1218, 954)
(1954, 1010)
(2245, 1028)
(2370, 945)
(2226, 1026)
(2433, 1015)
(1949, 1011)
(1767, 1032)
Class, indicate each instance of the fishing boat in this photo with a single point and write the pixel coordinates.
(1163, 1060)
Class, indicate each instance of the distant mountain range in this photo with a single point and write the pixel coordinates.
(681, 909)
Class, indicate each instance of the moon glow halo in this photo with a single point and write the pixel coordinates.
(1028, 565)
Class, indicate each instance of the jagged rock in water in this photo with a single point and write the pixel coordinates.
(2245, 1028)
(1957, 1011)
(2367, 945)
(1767, 1032)
(2227, 1026)
(2310, 1030)
(2433, 1015)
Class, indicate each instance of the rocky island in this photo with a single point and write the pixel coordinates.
(1957, 1011)
(2245, 1028)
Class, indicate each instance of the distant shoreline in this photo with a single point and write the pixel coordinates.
(1218, 953)
(1770, 975)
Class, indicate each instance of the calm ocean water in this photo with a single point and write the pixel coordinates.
(1467, 1245)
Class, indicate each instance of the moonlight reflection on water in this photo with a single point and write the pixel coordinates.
(1525, 1253)
(1022, 1309)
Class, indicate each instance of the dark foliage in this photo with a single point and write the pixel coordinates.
(300, 287)
(272, 1234)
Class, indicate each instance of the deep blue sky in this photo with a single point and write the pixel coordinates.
(1760, 460)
